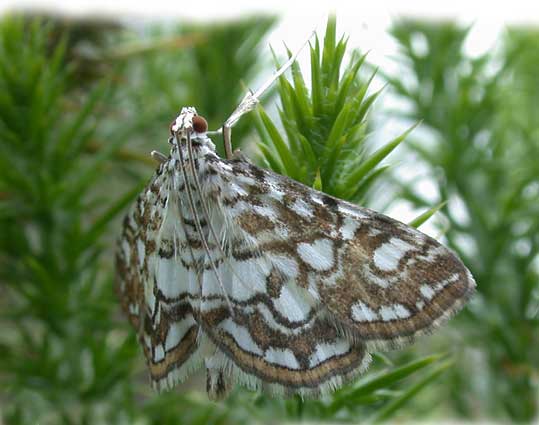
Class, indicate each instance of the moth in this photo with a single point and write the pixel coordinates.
(266, 282)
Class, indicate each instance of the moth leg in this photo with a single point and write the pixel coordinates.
(251, 99)
(218, 379)
(247, 104)
(158, 156)
(227, 140)
(240, 156)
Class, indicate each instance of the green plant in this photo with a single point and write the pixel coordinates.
(480, 147)
(66, 354)
(326, 147)
(211, 74)
(326, 127)
(60, 347)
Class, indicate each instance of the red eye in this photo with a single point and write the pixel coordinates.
(199, 124)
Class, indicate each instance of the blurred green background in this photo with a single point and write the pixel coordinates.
(83, 102)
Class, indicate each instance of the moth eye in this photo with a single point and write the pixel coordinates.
(199, 124)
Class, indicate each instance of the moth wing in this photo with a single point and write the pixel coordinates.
(380, 280)
(155, 283)
(392, 283)
(277, 338)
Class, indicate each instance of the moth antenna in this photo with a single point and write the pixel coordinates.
(251, 99)
(283, 68)
(205, 209)
(199, 226)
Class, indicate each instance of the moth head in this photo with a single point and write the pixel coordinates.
(189, 124)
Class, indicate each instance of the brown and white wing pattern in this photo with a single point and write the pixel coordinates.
(277, 338)
(380, 282)
(156, 282)
(269, 283)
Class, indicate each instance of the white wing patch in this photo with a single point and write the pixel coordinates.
(242, 336)
(169, 275)
(134, 309)
(293, 303)
(244, 279)
(286, 265)
(302, 208)
(270, 321)
(141, 252)
(351, 211)
(266, 211)
(427, 291)
(363, 313)
(318, 255)
(177, 331)
(282, 357)
(325, 351)
(393, 312)
(159, 353)
(349, 228)
(389, 254)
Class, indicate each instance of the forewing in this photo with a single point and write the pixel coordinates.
(380, 280)
(155, 283)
